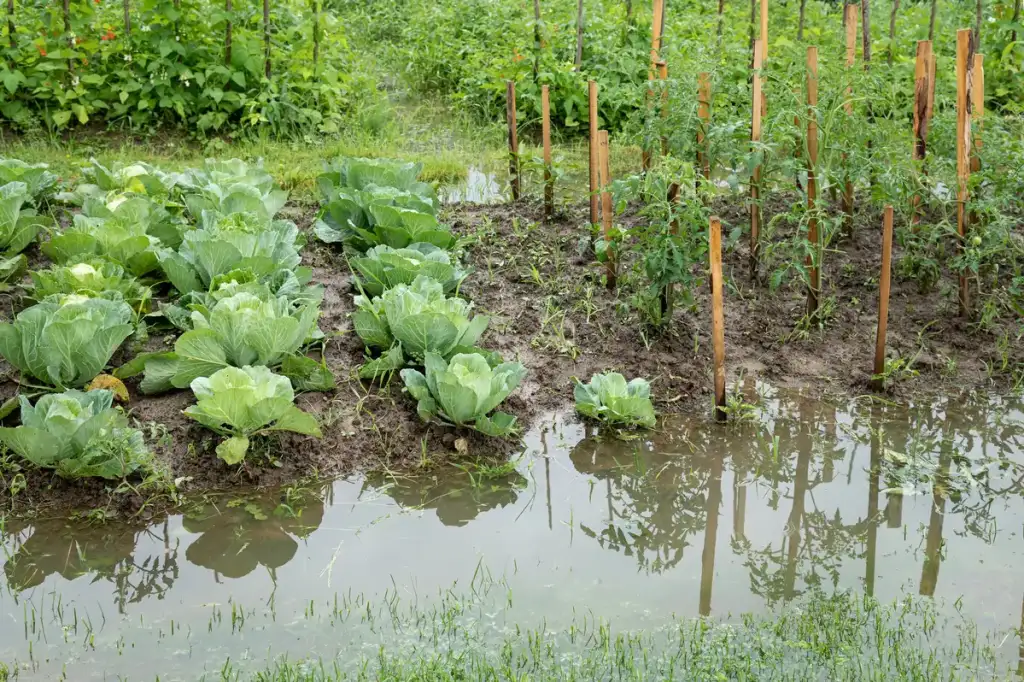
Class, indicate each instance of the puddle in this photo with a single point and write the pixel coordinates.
(698, 519)
(479, 187)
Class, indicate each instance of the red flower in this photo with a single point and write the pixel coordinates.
(109, 35)
(42, 51)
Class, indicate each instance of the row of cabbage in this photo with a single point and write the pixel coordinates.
(146, 255)
(408, 309)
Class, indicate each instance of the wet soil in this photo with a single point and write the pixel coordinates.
(550, 309)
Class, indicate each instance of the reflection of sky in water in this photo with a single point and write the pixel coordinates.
(700, 519)
(479, 187)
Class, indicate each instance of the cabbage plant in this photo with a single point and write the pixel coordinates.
(38, 179)
(18, 225)
(118, 230)
(419, 317)
(609, 398)
(464, 391)
(243, 402)
(361, 173)
(77, 434)
(251, 327)
(383, 267)
(231, 186)
(91, 278)
(361, 220)
(65, 341)
(240, 241)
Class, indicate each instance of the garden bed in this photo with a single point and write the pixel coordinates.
(550, 310)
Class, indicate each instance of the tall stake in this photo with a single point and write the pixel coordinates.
(764, 28)
(316, 35)
(663, 78)
(594, 155)
(963, 145)
(755, 181)
(580, 19)
(921, 90)
(883, 300)
(126, 6)
(851, 58)
(932, 65)
(513, 138)
(977, 108)
(536, 39)
(652, 72)
(814, 256)
(227, 33)
(607, 210)
(717, 317)
(549, 176)
(266, 38)
(704, 116)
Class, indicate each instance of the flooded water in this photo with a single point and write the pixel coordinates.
(697, 519)
(480, 187)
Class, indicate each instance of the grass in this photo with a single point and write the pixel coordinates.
(842, 637)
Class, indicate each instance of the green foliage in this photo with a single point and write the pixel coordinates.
(18, 225)
(38, 179)
(90, 278)
(252, 326)
(420, 318)
(244, 402)
(610, 399)
(231, 186)
(464, 391)
(174, 68)
(65, 341)
(79, 435)
(235, 241)
(384, 267)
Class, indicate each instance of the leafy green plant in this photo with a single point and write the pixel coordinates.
(361, 220)
(18, 226)
(65, 341)
(383, 267)
(244, 402)
(420, 318)
(251, 327)
(38, 179)
(362, 174)
(609, 398)
(233, 186)
(236, 241)
(464, 391)
(90, 278)
(79, 435)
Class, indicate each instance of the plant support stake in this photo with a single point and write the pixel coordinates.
(607, 209)
(513, 138)
(883, 300)
(921, 90)
(549, 177)
(658, 9)
(963, 145)
(717, 316)
(704, 120)
(594, 156)
(814, 243)
(755, 139)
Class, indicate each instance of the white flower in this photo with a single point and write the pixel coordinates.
(127, 57)
(186, 82)
(145, 29)
(82, 270)
(74, 81)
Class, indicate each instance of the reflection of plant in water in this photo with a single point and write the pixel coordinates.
(655, 504)
(254, 532)
(457, 496)
(74, 549)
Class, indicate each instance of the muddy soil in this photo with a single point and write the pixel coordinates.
(550, 309)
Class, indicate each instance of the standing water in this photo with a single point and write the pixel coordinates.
(693, 519)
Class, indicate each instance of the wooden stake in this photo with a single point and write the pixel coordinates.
(814, 257)
(607, 209)
(851, 57)
(717, 317)
(704, 114)
(764, 28)
(883, 299)
(932, 65)
(663, 77)
(549, 176)
(594, 154)
(513, 138)
(921, 89)
(658, 10)
(755, 181)
(963, 145)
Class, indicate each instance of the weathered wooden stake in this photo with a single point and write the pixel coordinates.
(977, 108)
(921, 90)
(580, 21)
(963, 145)
(764, 28)
(851, 57)
(932, 65)
(704, 116)
(883, 299)
(513, 139)
(594, 153)
(266, 38)
(549, 176)
(814, 257)
(663, 77)
(607, 209)
(658, 10)
(755, 181)
(227, 33)
(717, 317)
